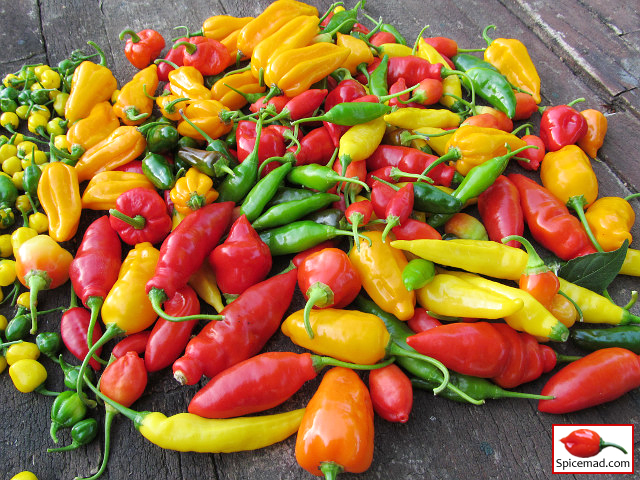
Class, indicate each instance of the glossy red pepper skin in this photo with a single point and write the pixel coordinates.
(525, 106)
(144, 51)
(96, 264)
(134, 166)
(242, 260)
(413, 229)
(363, 210)
(174, 55)
(278, 103)
(209, 58)
(413, 69)
(188, 245)
(335, 132)
(398, 86)
(391, 393)
(147, 204)
(253, 385)
(346, 91)
(125, 379)
(597, 378)
(133, 343)
(399, 208)
(271, 141)
(168, 340)
(303, 105)
(486, 350)
(380, 38)
(444, 45)
(298, 258)
(500, 211)
(381, 195)
(315, 147)
(585, 443)
(535, 156)
(249, 321)
(422, 321)
(549, 220)
(74, 325)
(560, 126)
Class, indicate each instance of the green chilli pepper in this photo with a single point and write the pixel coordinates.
(378, 79)
(319, 177)
(417, 273)
(430, 199)
(18, 327)
(212, 163)
(71, 373)
(292, 210)
(350, 113)
(49, 344)
(162, 138)
(333, 217)
(8, 195)
(464, 62)
(157, 169)
(82, 433)
(626, 336)
(258, 197)
(67, 410)
(343, 21)
(298, 236)
(289, 194)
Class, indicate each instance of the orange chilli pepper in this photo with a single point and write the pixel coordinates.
(596, 131)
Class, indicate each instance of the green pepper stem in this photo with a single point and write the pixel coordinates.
(396, 350)
(566, 358)
(319, 363)
(43, 391)
(157, 297)
(632, 196)
(577, 100)
(485, 34)
(134, 36)
(36, 282)
(138, 222)
(535, 264)
(94, 303)
(521, 127)
(632, 301)
(103, 57)
(318, 294)
(392, 221)
(577, 202)
(604, 444)
(330, 470)
(108, 420)
(189, 47)
(577, 307)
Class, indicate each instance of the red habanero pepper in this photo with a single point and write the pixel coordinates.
(167, 340)
(525, 106)
(549, 220)
(248, 322)
(133, 343)
(96, 265)
(487, 350)
(302, 105)
(346, 91)
(534, 155)
(74, 326)
(560, 126)
(422, 321)
(207, 55)
(175, 56)
(298, 258)
(143, 47)
(391, 393)
(398, 209)
(134, 166)
(597, 378)
(412, 229)
(327, 279)
(315, 147)
(184, 250)
(337, 431)
(586, 443)
(140, 216)
(500, 210)
(242, 260)
(259, 383)
(428, 91)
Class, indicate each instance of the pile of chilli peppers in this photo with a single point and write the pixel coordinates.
(321, 154)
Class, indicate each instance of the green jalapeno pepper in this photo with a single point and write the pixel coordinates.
(285, 212)
(261, 193)
(162, 137)
(626, 336)
(298, 236)
(157, 169)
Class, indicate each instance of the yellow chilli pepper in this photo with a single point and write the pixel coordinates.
(532, 318)
(380, 267)
(188, 82)
(511, 57)
(568, 173)
(294, 71)
(451, 83)
(478, 256)
(97, 126)
(123, 145)
(454, 297)
(218, 27)
(91, 84)
(270, 21)
(631, 265)
(394, 50)
(21, 350)
(414, 118)
(437, 138)
(245, 82)
(230, 42)
(59, 195)
(204, 283)
(192, 191)
(27, 374)
(297, 32)
(360, 141)
(104, 188)
(360, 53)
(135, 102)
(205, 114)
(611, 220)
(24, 475)
(596, 308)
(476, 145)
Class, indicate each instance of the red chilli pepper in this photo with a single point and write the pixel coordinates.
(549, 220)
(184, 250)
(444, 45)
(175, 56)
(413, 69)
(597, 378)
(271, 142)
(586, 443)
(381, 195)
(168, 340)
(391, 393)
(501, 212)
(315, 147)
(398, 209)
(298, 258)
(422, 321)
(249, 321)
(534, 155)
(143, 47)
(242, 260)
(207, 55)
(525, 106)
(278, 103)
(74, 325)
(302, 106)
(346, 91)
(412, 229)
(125, 379)
(327, 279)
(140, 216)
(560, 126)
(133, 343)
(380, 38)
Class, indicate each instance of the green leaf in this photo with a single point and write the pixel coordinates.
(596, 270)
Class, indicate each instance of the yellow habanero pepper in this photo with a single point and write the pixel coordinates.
(127, 305)
(611, 220)
(204, 283)
(188, 82)
(451, 83)
(123, 145)
(533, 318)
(170, 106)
(359, 52)
(104, 188)
(59, 195)
(21, 350)
(294, 71)
(478, 256)
(91, 84)
(476, 145)
(205, 114)
(568, 173)
(413, 118)
(380, 267)
(454, 297)
(134, 104)
(102, 120)
(218, 27)
(244, 82)
(192, 191)
(272, 18)
(297, 32)
(596, 131)
(27, 374)
(511, 58)
(347, 335)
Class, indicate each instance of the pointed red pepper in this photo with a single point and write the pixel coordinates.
(315, 147)
(140, 216)
(412, 229)
(302, 106)
(500, 211)
(391, 393)
(74, 326)
(398, 209)
(136, 342)
(346, 91)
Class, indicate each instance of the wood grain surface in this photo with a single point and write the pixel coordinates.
(582, 48)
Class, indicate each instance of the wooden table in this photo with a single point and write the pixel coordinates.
(587, 49)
